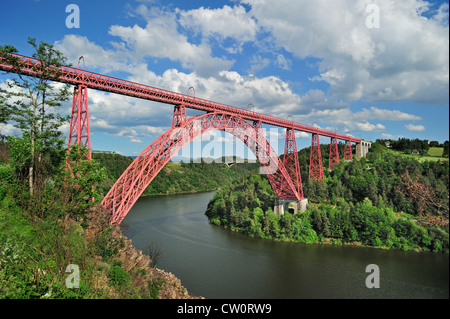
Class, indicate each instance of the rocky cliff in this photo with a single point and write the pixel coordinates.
(132, 259)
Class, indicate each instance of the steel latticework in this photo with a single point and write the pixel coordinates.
(149, 163)
(334, 154)
(315, 163)
(74, 76)
(348, 150)
(79, 133)
(290, 161)
(284, 176)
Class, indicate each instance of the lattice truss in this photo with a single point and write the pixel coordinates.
(149, 163)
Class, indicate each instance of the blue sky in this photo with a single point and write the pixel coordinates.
(324, 62)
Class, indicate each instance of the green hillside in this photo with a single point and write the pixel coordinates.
(383, 200)
(435, 151)
(175, 178)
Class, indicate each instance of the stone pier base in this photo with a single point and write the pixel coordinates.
(362, 148)
(282, 204)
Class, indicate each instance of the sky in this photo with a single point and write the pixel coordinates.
(368, 68)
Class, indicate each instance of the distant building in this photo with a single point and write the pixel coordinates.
(104, 152)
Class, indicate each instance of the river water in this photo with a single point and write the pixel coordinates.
(216, 263)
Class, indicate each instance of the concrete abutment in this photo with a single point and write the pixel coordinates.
(362, 148)
(283, 204)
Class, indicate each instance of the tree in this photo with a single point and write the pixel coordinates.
(425, 198)
(33, 102)
(445, 153)
(79, 180)
(4, 111)
(154, 251)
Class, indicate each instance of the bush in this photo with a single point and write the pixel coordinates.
(119, 278)
(356, 204)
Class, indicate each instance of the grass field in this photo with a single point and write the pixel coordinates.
(436, 151)
(434, 154)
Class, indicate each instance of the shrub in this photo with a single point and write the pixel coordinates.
(119, 278)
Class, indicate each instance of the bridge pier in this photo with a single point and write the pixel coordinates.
(315, 162)
(334, 154)
(79, 132)
(282, 204)
(362, 148)
(348, 151)
(290, 161)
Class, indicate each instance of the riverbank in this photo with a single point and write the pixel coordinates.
(351, 207)
(181, 193)
(217, 263)
(37, 250)
(324, 241)
(148, 280)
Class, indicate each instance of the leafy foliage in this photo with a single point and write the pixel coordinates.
(174, 177)
(382, 200)
(31, 105)
(80, 179)
(119, 278)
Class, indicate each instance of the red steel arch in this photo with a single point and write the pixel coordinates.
(132, 183)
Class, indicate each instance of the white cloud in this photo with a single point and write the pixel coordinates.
(347, 121)
(386, 114)
(317, 100)
(302, 135)
(407, 58)
(258, 63)
(283, 63)
(227, 22)
(387, 136)
(127, 117)
(415, 128)
(369, 127)
(161, 39)
(75, 46)
(354, 60)
(9, 130)
(441, 16)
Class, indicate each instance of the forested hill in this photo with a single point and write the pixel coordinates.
(175, 177)
(383, 200)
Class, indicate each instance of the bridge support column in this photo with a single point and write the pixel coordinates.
(283, 204)
(362, 148)
(315, 163)
(79, 133)
(348, 156)
(179, 115)
(334, 154)
(290, 161)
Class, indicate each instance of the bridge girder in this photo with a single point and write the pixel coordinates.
(132, 183)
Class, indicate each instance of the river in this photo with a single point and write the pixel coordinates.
(216, 263)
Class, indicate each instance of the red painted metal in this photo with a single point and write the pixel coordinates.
(219, 116)
(334, 154)
(290, 161)
(315, 163)
(79, 133)
(149, 163)
(179, 115)
(30, 66)
(348, 150)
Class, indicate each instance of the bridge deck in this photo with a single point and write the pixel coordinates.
(29, 66)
